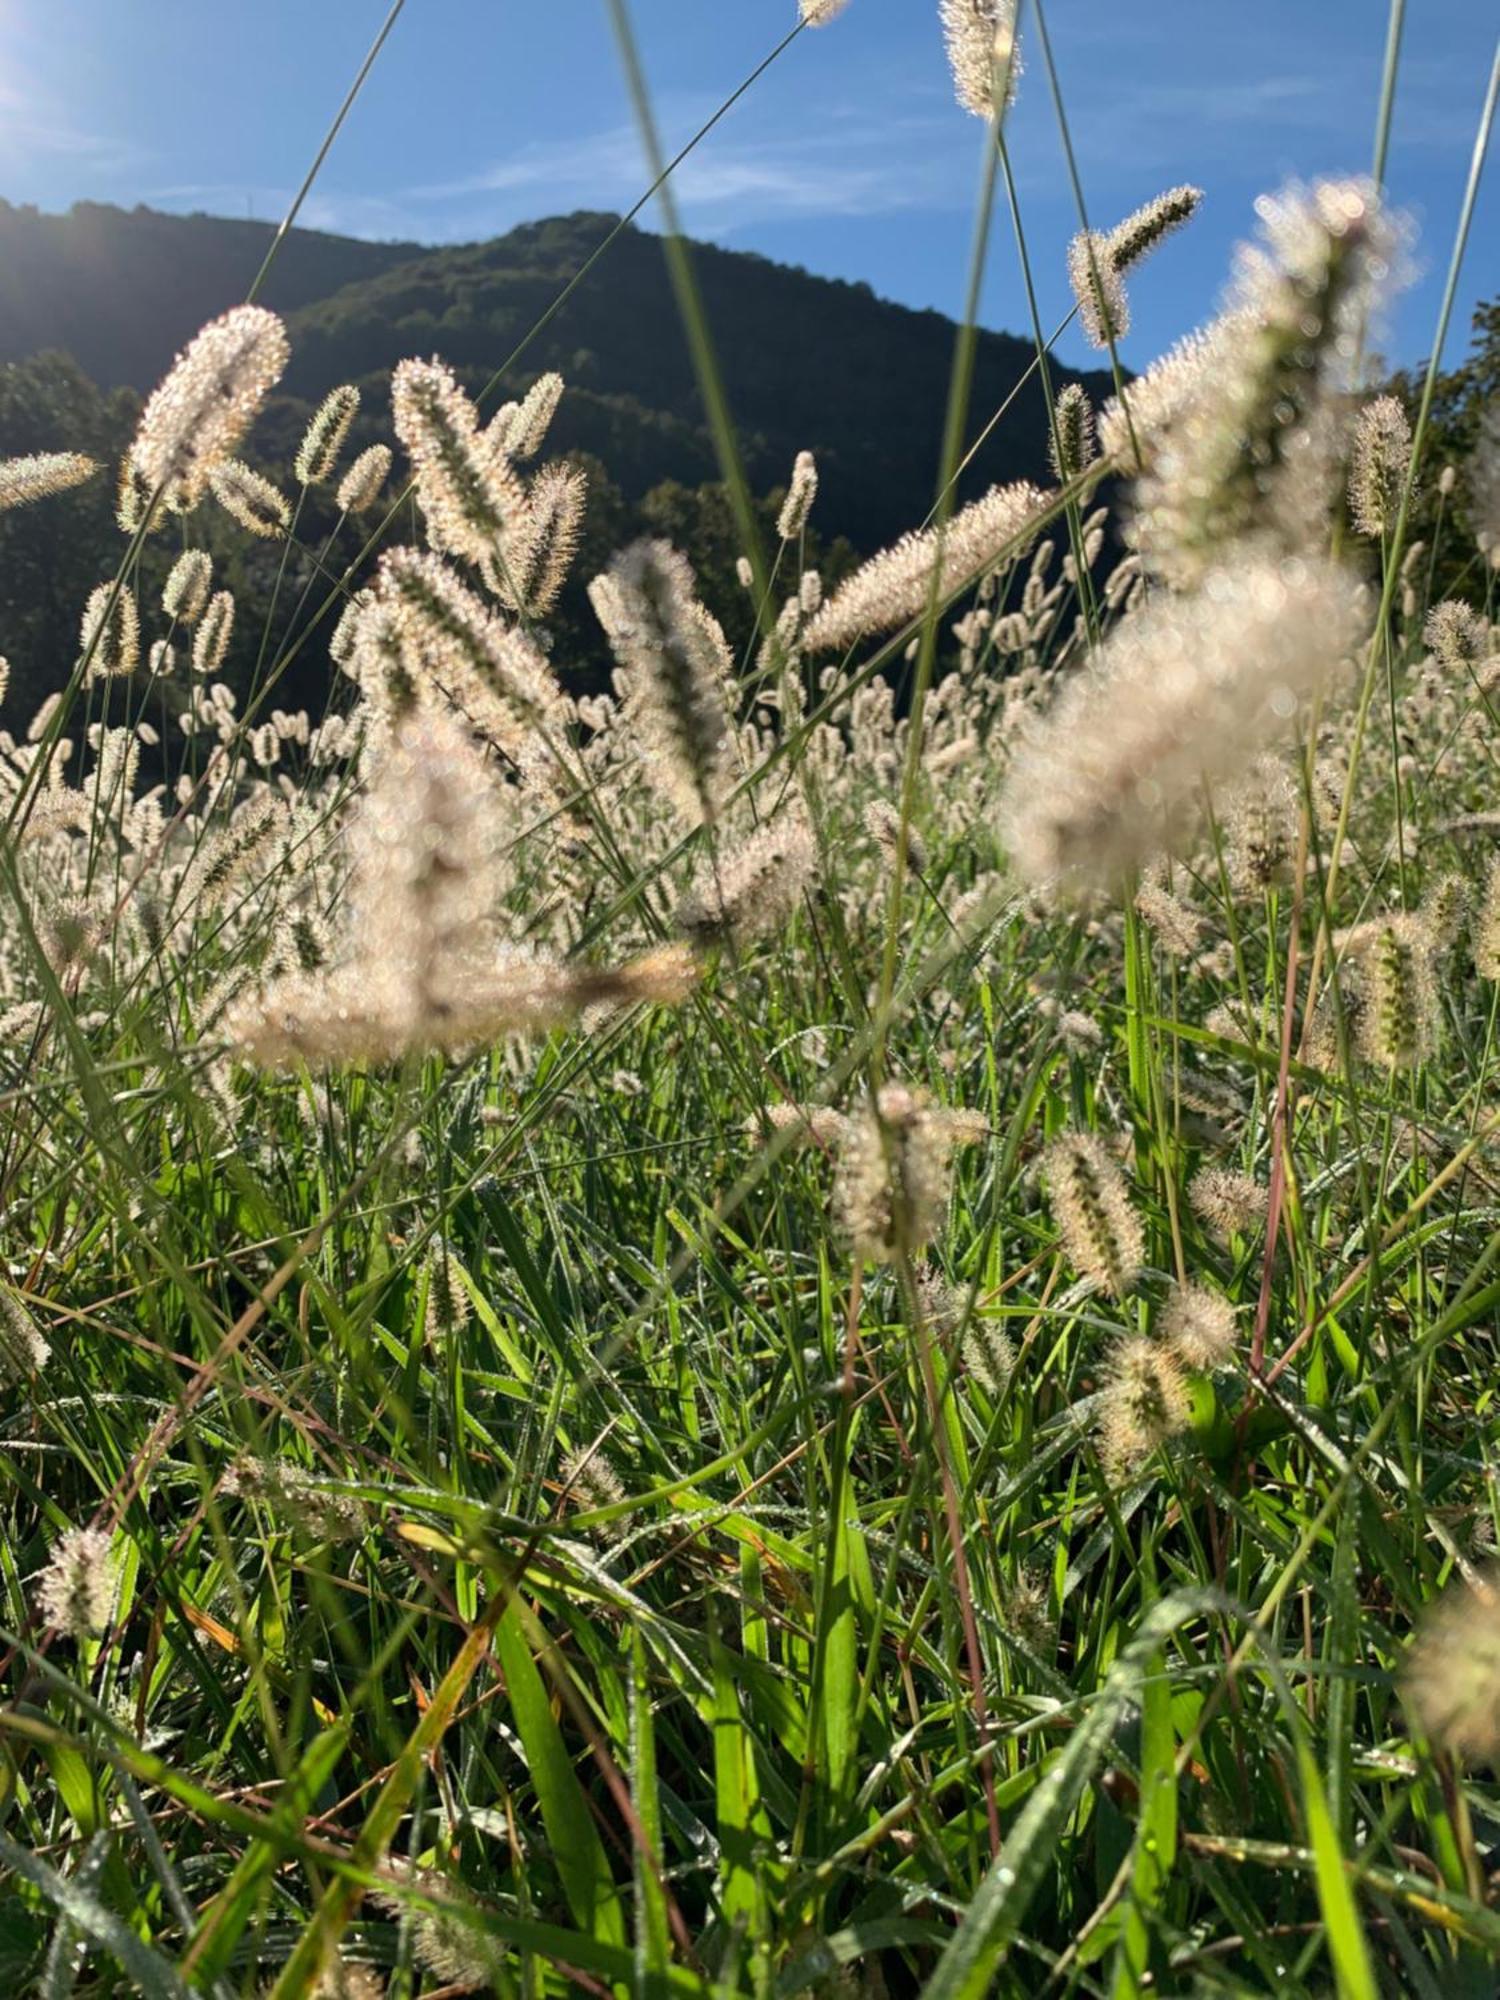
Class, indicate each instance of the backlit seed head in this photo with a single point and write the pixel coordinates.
(1199, 1326)
(897, 584)
(1261, 823)
(800, 495)
(1180, 694)
(981, 39)
(678, 668)
(184, 595)
(753, 890)
(1103, 309)
(110, 634)
(883, 824)
(1175, 923)
(76, 1593)
(471, 496)
(1228, 1203)
(1139, 234)
(318, 454)
(361, 485)
(1252, 449)
(895, 1174)
(201, 412)
(1091, 1203)
(1458, 636)
(818, 13)
(1379, 460)
(23, 480)
(1451, 1680)
(557, 499)
(215, 628)
(527, 423)
(253, 501)
(1146, 1402)
(1072, 441)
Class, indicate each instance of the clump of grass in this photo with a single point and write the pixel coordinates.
(987, 1183)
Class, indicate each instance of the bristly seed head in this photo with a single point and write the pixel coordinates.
(23, 480)
(361, 485)
(981, 40)
(1071, 443)
(1199, 1326)
(77, 1589)
(202, 410)
(1100, 1229)
(185, 593)
(800, 495)
(1451, 1681)
(253, 501)
(1379, 460)
(1146, 1402)
(323, 440)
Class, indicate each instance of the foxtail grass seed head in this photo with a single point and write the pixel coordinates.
(1261, 822)
(1071, 443)
(1487, 927)
(448, 639)
(471, 496)
(1176, 925)
(589, 1481)
(897, 584)
(1179, 695)
(654, 624)
(1398, 1025)
(982, 53)
(559, 495)
(185, 593)
(202, 410)
(1228, 1203)
(328, 427)
(110, 634)
(1146, 1403)
(883, 824)
(1098, 290)
(895, 1174)
(1132, 240)
(1100, 1229)
(291, 1495)
(448, 1307)
(803, 1124)
(1451, 1679)
(23, 1351)
(76, 1593)
(755, 889)
(800, 495)
(1252, 449)
(818, 13)
(253, 501)
(528, 422)
(215, 629)
(362, 484)
(1484, 485)
(1379, 460)
(1444, 911)
(1459, 637)
(42, 474)
(1198, 1325)
(1097, 262)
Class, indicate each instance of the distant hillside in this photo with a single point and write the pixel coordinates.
(94, 304)
(122, 289)
(808, 362)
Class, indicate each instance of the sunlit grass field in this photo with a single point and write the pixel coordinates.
(824, 1326)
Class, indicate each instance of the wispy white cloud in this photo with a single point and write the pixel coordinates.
(850, 164)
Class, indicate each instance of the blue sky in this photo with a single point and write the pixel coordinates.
(849, 156)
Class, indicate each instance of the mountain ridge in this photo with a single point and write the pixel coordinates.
(812, 363)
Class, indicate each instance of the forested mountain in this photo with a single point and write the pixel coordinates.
(93, 305)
